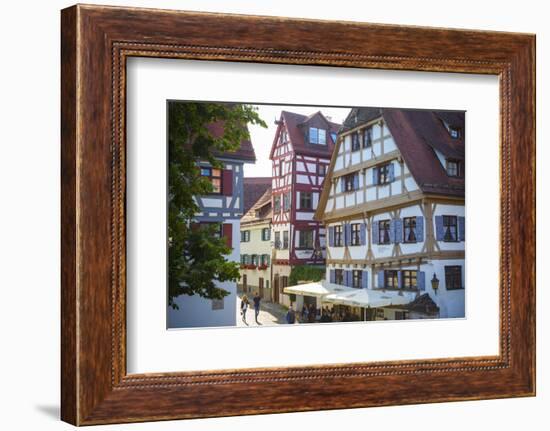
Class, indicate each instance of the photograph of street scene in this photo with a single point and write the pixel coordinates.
(286, 215)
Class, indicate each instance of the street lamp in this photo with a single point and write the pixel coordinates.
(435, 283)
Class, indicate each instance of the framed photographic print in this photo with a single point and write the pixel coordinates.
(249, 203)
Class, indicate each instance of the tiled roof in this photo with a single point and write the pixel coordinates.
(418, 134)
(296, 126)
(254, 188)
(359, 116)
(245, 152)
(260, 210)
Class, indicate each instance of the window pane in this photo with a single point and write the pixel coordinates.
(322, 136)
(216, 172)
(216, 185)
(313, 137)
(205, 172)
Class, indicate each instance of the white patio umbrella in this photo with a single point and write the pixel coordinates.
(368, 298)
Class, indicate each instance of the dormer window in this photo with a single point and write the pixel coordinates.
(333, 136)
(454, 132)
(317, 136)
(453, 168)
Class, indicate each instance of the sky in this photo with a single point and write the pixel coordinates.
(263, 138)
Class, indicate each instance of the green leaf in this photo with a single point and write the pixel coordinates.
(196, 256)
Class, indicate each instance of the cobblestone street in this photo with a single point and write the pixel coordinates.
(270, 313)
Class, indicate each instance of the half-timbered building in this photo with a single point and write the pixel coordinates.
(393, 204)
(224, 206)
(300, 155)
(256, 248)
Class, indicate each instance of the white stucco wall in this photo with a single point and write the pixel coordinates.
(451, 303)
(195, 311)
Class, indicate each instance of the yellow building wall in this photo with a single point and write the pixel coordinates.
(257, 246)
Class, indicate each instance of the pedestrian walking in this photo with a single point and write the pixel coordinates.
(290, 316)
(257, 298)
(244, 307)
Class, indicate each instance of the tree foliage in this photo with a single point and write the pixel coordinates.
(306, 273)
(197, 253)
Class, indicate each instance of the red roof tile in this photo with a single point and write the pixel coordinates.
(254, 188)
(245, 152)
(418, 134)
(296, 125)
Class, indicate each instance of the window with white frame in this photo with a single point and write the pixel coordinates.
(317, 136)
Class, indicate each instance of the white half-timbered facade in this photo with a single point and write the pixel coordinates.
(300, 155)
(393, 206)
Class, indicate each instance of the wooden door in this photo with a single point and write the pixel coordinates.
(245, 283)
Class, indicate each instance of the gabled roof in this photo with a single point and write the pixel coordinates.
(260, 210)
(245, 152)
(297, 125)
(417, 134)
(359, 116)
(253, 189)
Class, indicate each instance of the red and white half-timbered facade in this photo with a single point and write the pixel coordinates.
(300, 155)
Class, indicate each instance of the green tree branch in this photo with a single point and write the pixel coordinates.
(196, 254)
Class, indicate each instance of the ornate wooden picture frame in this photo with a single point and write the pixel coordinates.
(96, 41)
